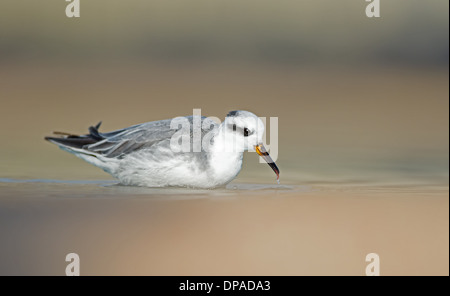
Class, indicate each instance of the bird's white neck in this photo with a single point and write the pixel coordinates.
(226, 158)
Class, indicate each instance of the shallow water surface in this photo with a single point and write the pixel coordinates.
(110, 188)
(241, 229)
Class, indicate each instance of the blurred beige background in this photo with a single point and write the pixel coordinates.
(357, 98)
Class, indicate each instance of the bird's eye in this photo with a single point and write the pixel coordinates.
(246, 132)
(234, 127)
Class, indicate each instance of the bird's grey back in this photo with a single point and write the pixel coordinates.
(117, 144)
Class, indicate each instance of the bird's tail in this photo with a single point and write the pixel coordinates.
(68, 140)
(77, 145)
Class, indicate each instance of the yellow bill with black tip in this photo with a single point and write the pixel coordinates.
(265, 155)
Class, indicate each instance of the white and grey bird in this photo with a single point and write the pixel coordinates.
(149, 154)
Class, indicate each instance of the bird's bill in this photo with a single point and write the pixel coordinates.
(265, 155)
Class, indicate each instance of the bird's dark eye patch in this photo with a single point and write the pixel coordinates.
(239, 130)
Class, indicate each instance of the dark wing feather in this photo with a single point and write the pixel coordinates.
(75, 141)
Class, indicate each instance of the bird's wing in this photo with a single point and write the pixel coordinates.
(125, 141)
(128, 140)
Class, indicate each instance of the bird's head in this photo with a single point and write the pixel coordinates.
(243, 130)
